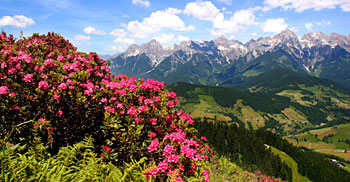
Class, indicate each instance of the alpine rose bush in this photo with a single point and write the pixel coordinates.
(50, 90)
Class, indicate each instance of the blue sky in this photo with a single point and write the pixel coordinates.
(110, 26)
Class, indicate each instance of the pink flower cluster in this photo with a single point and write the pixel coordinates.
(153, 146)
(77, 91)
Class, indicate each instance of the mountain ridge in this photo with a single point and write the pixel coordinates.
(203, 62)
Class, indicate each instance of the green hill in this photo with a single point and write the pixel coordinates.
(285, 111)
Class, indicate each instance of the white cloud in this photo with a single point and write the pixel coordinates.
(254, 34)
(124, 40)
(239, 21)
(141, 2)
(81, 37)
(164, 38)
(274, 25)
(170, 38)
(323, 22)
(113, 48)
(301, 5)
(244, 17)
(18, 21)
(92, 30)
(156, 22)
(182, 38)
(228, 2)
(206, 10)
(202, 10)
(118, 33)
(122, 44)
(308, 26)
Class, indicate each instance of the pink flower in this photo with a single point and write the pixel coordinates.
(69, 81)
(60, 58)
(62, 86)
(206, 175)
(59, 113)
(153, 121)
(12, 93)
(110, 109)
(48, 63)
(168, 150)
(171, 94)
(70, 56)
(152, 135)
(44, 85)
(173, 158)
(204, 138)
(149, 102)
(170, 104)
(3, 90)
(162, 166)
(142, 108)
(28, 78)
(132, 111)
(104, 100)
(107, 149)
(119, 105)
(71, 87)
(153, 146)
(57, 97)
(14, 108)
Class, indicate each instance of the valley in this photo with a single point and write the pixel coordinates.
(309, 117)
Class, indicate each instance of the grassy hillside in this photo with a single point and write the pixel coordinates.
(287, 111)
(296, 176)
(330, 140)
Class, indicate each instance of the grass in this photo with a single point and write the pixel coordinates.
(334, 142)
(296, 96)
(251, 73)
(291, 114)
(296, 176)
(345, 156)
(321, 133)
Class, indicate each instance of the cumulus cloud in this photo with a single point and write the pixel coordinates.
(203, 10)
(228, 2)
(92, 30)
(302, 5)
(156, 22)
(124, 40)
(170, 38)
(274, 25)
(18, 21)
(118, 33)
(164, 38)
(206, 10)
(244, 17)
(181, 38)
(308, 26)
(238, 21)
(141, 2)
(81, 37)
(113, 48)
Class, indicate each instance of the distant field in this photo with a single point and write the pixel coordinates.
(345, 156)
(335, 142)
(296, 96)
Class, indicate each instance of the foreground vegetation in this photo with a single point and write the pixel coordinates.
(64, 115)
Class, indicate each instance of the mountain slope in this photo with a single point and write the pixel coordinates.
(284, 111)
(225, 62)
(279, 79)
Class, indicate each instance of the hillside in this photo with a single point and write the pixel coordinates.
(288, 111)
